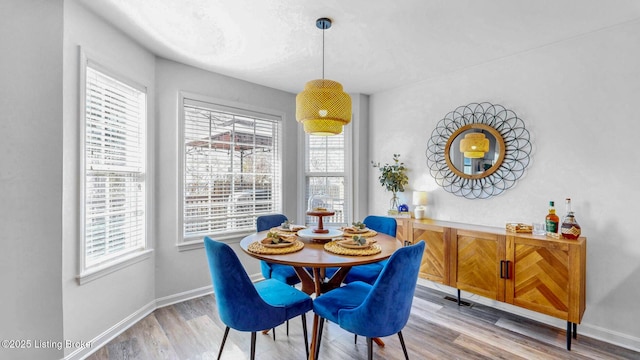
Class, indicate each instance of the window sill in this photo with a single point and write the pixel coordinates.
(112, 266)
(198, 243)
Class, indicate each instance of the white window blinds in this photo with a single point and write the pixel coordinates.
(232, 171)
(325, 174)
(114, 168)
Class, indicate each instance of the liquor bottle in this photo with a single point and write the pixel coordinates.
(552, 220)
(570, 228)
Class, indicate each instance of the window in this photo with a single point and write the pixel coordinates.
(325, 173)
(114, 168)
(231, 168)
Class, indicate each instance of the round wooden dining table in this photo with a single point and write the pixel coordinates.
(314, 256)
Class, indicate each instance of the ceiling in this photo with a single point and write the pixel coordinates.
(372, 46)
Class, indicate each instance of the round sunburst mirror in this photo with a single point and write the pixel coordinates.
(478, 150)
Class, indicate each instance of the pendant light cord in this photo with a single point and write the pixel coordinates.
(323, 24)
(323, 54)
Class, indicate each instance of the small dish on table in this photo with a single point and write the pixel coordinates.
(355, 243)
(275, 240)
(289, 227)
(355, 230)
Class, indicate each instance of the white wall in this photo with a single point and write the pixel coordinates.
(31, 175)
(184, 271)
(97, 306)
(579, 99)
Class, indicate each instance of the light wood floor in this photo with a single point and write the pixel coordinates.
(437, 329)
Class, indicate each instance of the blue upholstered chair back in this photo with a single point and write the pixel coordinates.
(266, 222)
(239, 305)
(385, 311)
(381, 224)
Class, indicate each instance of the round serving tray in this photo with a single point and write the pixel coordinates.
(309, 234)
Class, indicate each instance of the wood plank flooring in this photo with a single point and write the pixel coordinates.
(437, 329)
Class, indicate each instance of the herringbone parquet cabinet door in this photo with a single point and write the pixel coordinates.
(476, 263)
(546, 276)
(435, 260)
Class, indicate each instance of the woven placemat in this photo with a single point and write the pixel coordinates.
(256, 247)
(337, 249)
(369, 233)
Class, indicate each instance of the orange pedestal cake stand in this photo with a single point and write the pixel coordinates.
(320, 214)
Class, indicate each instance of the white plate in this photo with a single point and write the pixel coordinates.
(309, 234)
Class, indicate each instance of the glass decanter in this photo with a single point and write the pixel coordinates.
(570, 228)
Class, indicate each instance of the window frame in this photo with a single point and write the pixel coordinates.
(89, 271)
(185, 243)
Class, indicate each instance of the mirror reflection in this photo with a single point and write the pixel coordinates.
(474, 151)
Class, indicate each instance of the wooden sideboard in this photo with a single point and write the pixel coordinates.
(534, 272)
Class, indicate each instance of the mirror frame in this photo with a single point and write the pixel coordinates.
(510, 133)
(460, 131)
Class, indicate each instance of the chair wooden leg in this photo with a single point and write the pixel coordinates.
(369, 348)
(253, 345)
(319, 337)
(404, 347)
(224, 338)
(304, 333)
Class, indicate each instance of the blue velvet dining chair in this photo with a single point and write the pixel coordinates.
(284, 273)
(244, 306)
(369, 272)
(377, 310)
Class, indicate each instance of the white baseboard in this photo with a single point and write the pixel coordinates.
(592, 331)
(183, 296)
(111, 333)
(108, 335)
(610, 336)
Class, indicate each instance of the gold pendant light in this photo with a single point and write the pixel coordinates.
(474, 145)
(323, 108)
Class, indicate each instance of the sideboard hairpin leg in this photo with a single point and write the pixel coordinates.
(572, 331)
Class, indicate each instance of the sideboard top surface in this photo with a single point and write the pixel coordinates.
(489, 229)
